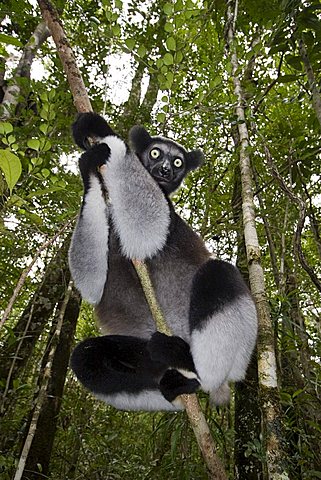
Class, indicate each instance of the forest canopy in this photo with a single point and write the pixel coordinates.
(239, 79)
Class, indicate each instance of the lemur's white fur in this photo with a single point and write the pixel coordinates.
(228, 337)
(88, 254)
(141, 221)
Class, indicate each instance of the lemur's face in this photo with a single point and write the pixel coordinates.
(165, 160)
(166, 164)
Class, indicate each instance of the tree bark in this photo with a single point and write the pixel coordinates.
(313, 84)
(247, 423)
(11, 95)
(35, 317)
(268, 387)
(43, 440)
(77, 86)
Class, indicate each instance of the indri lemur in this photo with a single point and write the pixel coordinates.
(205, 301)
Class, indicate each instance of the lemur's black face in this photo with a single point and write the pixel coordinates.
(166, 161)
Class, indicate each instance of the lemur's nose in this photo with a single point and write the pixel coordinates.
(165, 169)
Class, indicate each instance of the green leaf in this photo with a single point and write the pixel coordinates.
(11, 167)
(178, 57)
(169, 79)
(161, 117)
(168, 59)
(45, 144)
(215, 82)
(141, 52)
(130, 43)
(116, 30)
(33, 143)
(178, 6)
(45, 172)
(44, 128)
(52, 94)
(168, 27)
(294, 61)
(10, 40)
(168, 9)
(5, 128)
(44, 191)
(171, 43)
(34, 218)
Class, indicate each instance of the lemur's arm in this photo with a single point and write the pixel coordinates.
(140, 211)
(88, 253)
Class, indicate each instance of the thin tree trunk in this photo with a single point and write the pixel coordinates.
(268, 388)
(82, 102)
(35, 317)
(42, 398)
(11, 96)
(43, 440)
(313, 84)
(300, 225)
(247, 414)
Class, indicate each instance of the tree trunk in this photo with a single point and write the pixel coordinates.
(313, 84)
(268, 388)
(37, 457)
(11, 96)
(247, 425)
(35, 317)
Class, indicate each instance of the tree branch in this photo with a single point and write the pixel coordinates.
(11, 95)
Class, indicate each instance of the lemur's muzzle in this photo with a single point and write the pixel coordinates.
(163, 171)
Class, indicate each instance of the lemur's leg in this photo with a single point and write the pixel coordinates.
(223, 326)
(89, 245)
(119, 370)
(140, 211)
(181, 376)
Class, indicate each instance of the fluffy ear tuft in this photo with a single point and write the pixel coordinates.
(89, 124)
(139, 139)
(195, 159)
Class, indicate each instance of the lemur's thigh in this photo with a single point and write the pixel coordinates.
(119, 370)
(115, 363)
(222, 323)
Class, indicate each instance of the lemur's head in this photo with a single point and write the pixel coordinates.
(167, 161)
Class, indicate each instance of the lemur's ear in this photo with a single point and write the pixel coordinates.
(139, 138)
(194, 159)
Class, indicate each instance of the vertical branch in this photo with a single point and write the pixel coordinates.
(269, 398)
(11, 95)
(43, 389)
(68, 60)
(316, 98)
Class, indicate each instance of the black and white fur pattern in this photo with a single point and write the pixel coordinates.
(205, 302)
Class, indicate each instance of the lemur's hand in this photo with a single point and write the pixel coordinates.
(174, 383)
(89, 125)
(93, 159)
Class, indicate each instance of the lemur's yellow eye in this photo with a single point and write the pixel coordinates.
(155, 153)
(178, 162)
